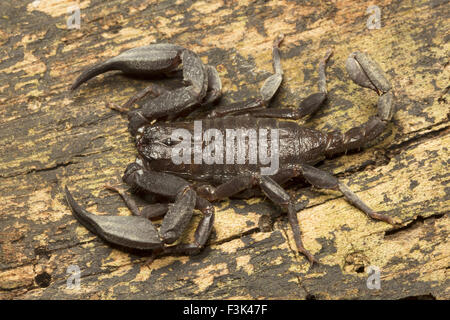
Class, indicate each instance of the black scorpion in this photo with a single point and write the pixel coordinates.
(188, 186)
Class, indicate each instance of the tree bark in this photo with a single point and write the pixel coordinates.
(51, 137)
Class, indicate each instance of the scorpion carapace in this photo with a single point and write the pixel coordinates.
(183, 187)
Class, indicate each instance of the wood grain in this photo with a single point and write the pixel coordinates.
(51, 137)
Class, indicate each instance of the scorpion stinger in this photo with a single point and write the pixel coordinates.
(183, 186)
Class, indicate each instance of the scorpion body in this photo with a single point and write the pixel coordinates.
(190, 185)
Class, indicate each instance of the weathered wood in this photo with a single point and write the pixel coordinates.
(50, 137)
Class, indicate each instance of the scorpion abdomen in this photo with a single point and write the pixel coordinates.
(294, 144)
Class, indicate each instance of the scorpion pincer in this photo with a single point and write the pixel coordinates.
(182, 188)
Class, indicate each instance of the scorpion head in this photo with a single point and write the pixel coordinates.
(155, 142)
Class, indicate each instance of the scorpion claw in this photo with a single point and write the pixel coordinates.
(147, 60)
(131, 232)
(178, 216)
(272, 83)
(172, 103)
(91, 72)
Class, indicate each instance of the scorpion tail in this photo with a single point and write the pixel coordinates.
(367, 73)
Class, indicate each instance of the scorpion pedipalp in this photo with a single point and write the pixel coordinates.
(203, 85)
(132, 232)
(297, 149)
(147, 60)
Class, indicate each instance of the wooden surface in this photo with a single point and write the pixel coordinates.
(50, 137)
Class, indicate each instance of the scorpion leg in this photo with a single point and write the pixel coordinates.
(155, 210)
(152, 90)
(213, 93)
(150, 211)
(147, 60)
(308, 106)
(273, 191)
(280, 197)
(179, 215)
(241, 187)
(271, 188)
(227, 189)
(322, 179)
(267, 91)
(132, 232)
(366, 73)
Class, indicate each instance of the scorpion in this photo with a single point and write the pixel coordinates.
(182, 188)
